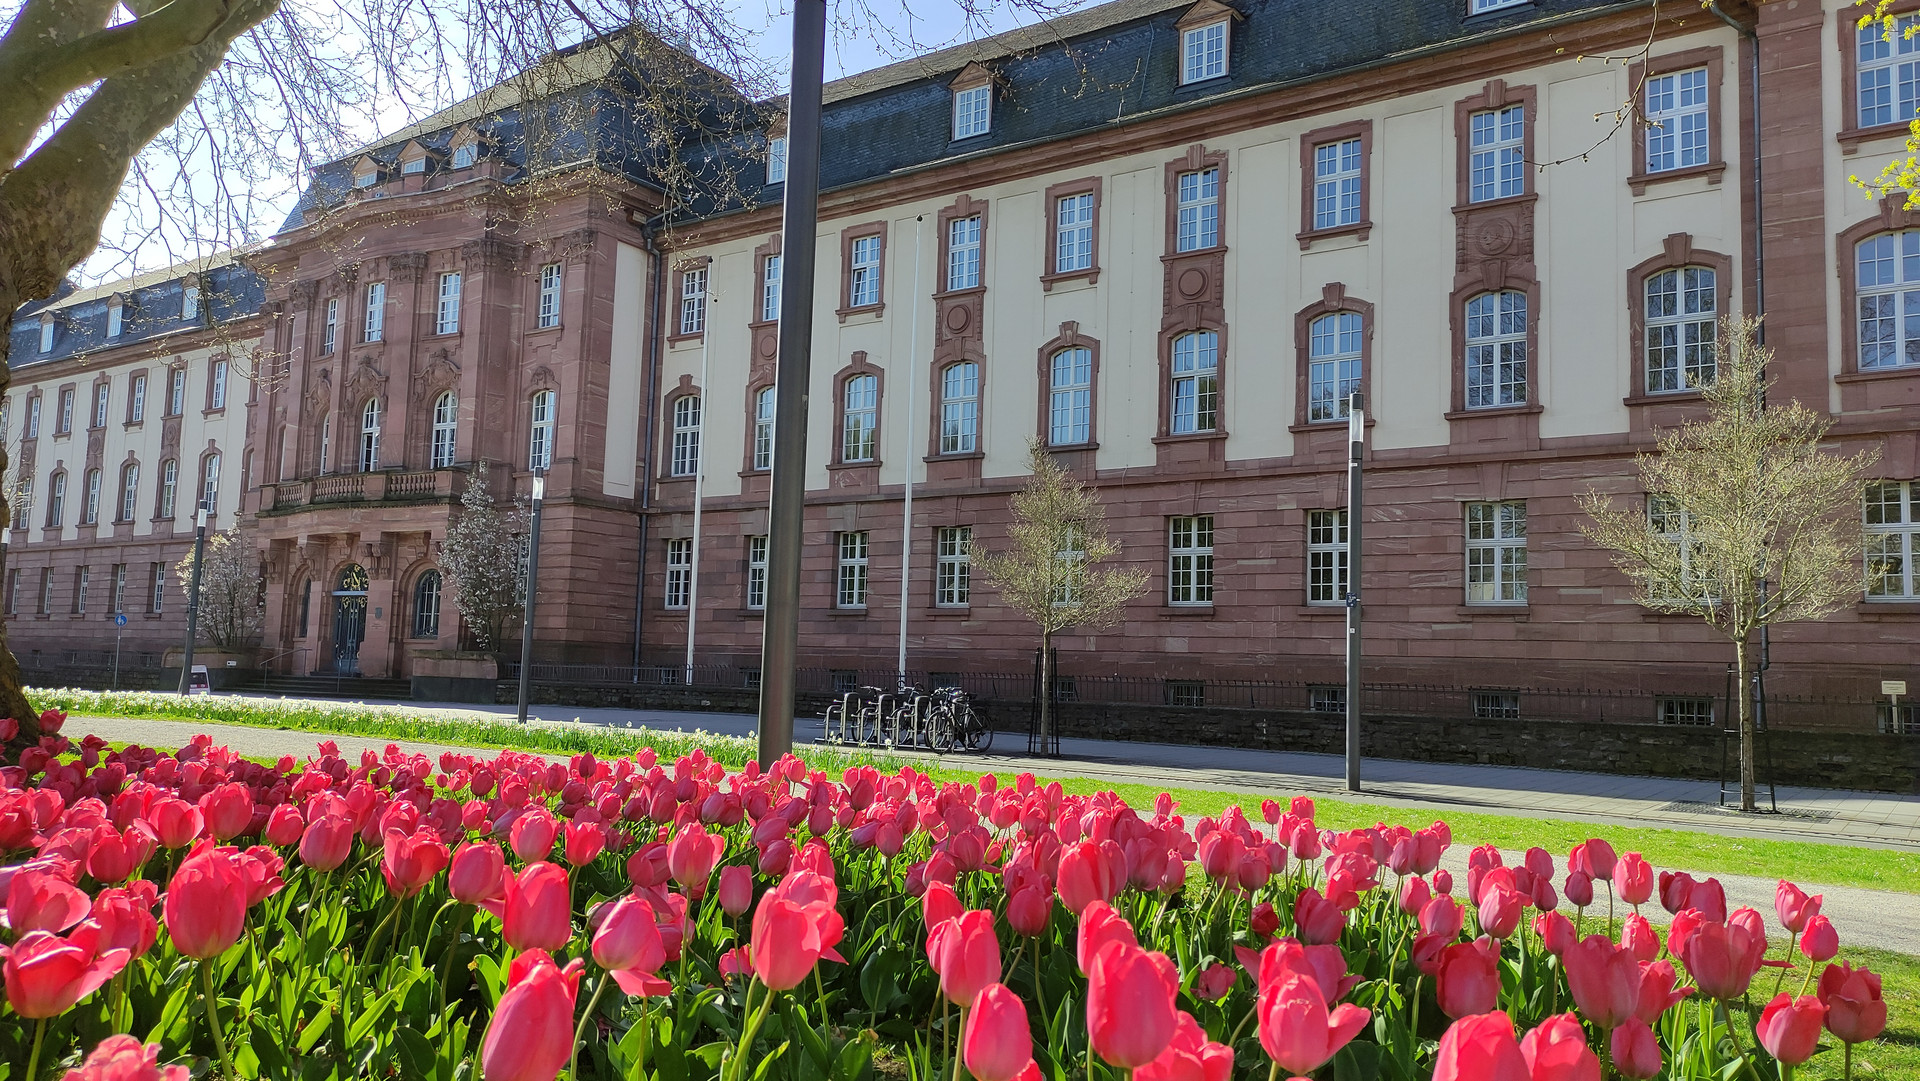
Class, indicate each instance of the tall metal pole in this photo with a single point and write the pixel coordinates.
(906, 505)
(533, 585)
(780, 648)
(699, 490)
(1356, 444)
(193, 597)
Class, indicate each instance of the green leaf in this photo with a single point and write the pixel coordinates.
(766, 1064)
(1357, 1062)
(417, 1057)
(856, 1059)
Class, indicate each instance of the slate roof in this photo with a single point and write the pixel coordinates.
(229, 291)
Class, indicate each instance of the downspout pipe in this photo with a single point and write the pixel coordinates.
(656, 293)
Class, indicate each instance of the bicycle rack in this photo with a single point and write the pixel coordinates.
(905, 719)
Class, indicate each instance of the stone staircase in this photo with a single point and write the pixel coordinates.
(348, 687)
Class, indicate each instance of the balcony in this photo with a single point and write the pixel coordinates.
(430, 486)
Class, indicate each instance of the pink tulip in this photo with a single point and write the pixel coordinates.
(1030, 910)
(1501, 907)
(997, 1044)
(1855, 1011)
(46, 974)
(1317, 920)
(1638, 938)
(477, 874)
(40, 901)
(736, 890)
(530, 1036)
(1556, 932)
(1469, 978)
(585, 840)
(115, 855)
(284, 826)
(1605, 980)
(1556, 1050)
(1635, 879)
(1821, 942)
(1636, 1053)
(1481, 1048)
(411, 861)
(1099, 925)
(175, 822)
(691, 857)
(1214, 982)
(966, 955)
(538, 910)
(1086, 875)
(228, 810)
(123, 916)
(326, 843)
(1722, 957)
(206, 903)
(786, 940)
(1130, 1012)
(124, 1058)
(1789, 1027)
(628, 947)
(1657, 995)
(1189, 1056)
(532, 835)
(1794, 907)
(1296, 1028)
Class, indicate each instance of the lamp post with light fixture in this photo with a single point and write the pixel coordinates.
(1356, 444)
(533, 580)
(193, 596)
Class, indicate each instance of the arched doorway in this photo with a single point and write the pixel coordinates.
(349, 619)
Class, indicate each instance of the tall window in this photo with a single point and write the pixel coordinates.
(540, 436)
(1682, 305)
(1197, 213)
(446, 429)
(679, 571)
(777, 160)
(1204, 53)
(1497, 350)
(1889, 73)
(861, 419)
(1336, 183)
(1070, 398)
(306, 608)
(1888, 286)
(101, 394)
(376, 321)
(770, 289)
(169, 487)
(370, 436)
(46, 333)
(757, 572)
(326, 443)
(1334, 347)
(57, 501)
(1190, 560)
(13, 591)
(217, 387)
(157, 588)
(330, 328)
(33, 417)
(129, 490)
(549, 314)
(693, 300)
(1326, 557)
(686, 435)
(82, 578)
(1073, 233)
(1672, 522)
(46, 591)
(190, 303)
(446, 318)
(1196, 382)
(1893, 540)
(1676, 116)
(963, 253)
(763, 428)
(851, 571)
(176, 392)
(116, 319)
(137, 400)
(66, 412)
(426, 605)
(952, 577)
(863, 272)
(972, 111)
(210, 484)
(960, 408)
(1496, 164)
(1497, 553)
(90, 510)
(117, 603)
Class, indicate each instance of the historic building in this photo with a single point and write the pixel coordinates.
(1165, 238)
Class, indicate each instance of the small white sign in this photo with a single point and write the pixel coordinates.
(1891, 687)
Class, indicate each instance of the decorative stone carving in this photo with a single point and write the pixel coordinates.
(346, 275)
(490, 253)
(407, 266)
(541, 377)
(302, 294)
(320, 396)
(367, 381)
(441, 372)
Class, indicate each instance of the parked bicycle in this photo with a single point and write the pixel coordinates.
(944, 720)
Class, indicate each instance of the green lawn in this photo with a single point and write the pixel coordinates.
(1896, 1054)
(1699, 852)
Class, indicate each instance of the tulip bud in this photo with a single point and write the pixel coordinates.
(736, 890)
(1789, 1027)
(997, 1044)
(1822, 941)
(1636, 1054)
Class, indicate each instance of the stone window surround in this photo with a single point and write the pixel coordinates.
(1711, 57)
(1891, 216)
(146, 399)
(1313, 140)
(754, 387)
(1052, 276)
(760, 254)
(66, 402)
(1497, 95)
(1069, 338)
(1677, 252)
(937, 399)
(686, 388)
(1195, 160)
(1851, 134)
(1511, 280)
(970, 77)
(93, 402)
(678, 295)
(1204, 14)
(120, 504)
(1333, 300)
(860, 232)
(210, 408)
(966, 206)
(858, 365)
(1219, 429)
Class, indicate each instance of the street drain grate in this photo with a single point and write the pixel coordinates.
(1702, 807)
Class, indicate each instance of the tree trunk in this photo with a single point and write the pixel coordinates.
(1746, 725)
(13, 693)
(1046, 691)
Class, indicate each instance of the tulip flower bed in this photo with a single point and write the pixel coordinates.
(507, 918)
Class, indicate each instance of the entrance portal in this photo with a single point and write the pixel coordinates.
(349, 619)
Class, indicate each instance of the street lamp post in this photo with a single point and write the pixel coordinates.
(533, 582)
(193, 595)
(1356, 444)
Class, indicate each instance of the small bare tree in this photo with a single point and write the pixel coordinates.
(1748, 522)
(484, 558)
(231, 608)
(1051, 572)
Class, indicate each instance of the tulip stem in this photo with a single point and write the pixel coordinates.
(753, 1026)
(1273, 1072)
(1242, 1026)
(1793, 938)
(446, 965)
(1039, 992)
(960, 1052)
(580, 1033)
(1847, 1057)
(40, 1030)
(1807, 981)
(1733, 1033)
(213, 1018)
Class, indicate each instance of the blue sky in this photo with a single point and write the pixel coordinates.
(870, 34)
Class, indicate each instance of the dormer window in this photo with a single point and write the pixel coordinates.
(777, 159)
(190, 302)
(1203, 41)
(972, 111)
(366, 174)
(116, 317)
(46, 333)
(1476, 7)
(413, 166)
(466, 148)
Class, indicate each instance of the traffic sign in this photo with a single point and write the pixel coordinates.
(120, 620)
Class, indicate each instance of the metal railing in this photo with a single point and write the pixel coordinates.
(296, 664)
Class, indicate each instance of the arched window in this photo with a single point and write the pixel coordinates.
(1888, 285)
(90, 513)
(446, 417)
(306, 607)
(129, 490)
(210, 484)
(1334, 346)
(1070, 398)
(763, 428)
(326, 443)
(861, 418)
(169, 486)
(960, 408)
(57, 500)
(1497, 350)
(370, 436)
(540, 434)
(686, 435)
(1196, 383)
(1682, 305)
(426, 606)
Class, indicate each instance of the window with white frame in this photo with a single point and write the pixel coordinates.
(953, 569)
(1497, 553)
(446, 429)
(47, 324)
(157, 588)
(90, 510)
(1497, 350)
(370, 436)
(1197, 210)
(1682, 306)
(116, 318)
(1203, 50)
(326, 443)
(1892, 524)
(13, 591)
(413, 166)
(376, 321)
(963, 253)
(1888, 68)
(210, 484)
(176, 392)
(169, 486)
(851, 570)
(101, 394)
(1676, 118)
(426, 605)
(960, 408)
(693, 300)
(1196, 383)
(466, 151)
(1478, 6)
(863, 272)
(1673, 522)
(137, 400)
(330, 327)
(66, 413)
(82, 578)
(770, 289)
(129, 490)
(860, 418)
(777, 159)
(190, 303)
(686, 435)
(118, 602)
(540, 431)
(1335, 344)
(679, 571)
(1496, 705)
(57, 500)
(1190, 560)
(549, 311)
(33, 417)
(46, 591)
(763, 428)
(1691, 712)
(1887, 285)
(217, 387)
(1327, 699)
(1073, 233)
(1070, 398)
(757, 572)
(446, 318)
(1496, 153)
(972, 111)
(1336, 183)
(1327, 557)
(366, 174)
